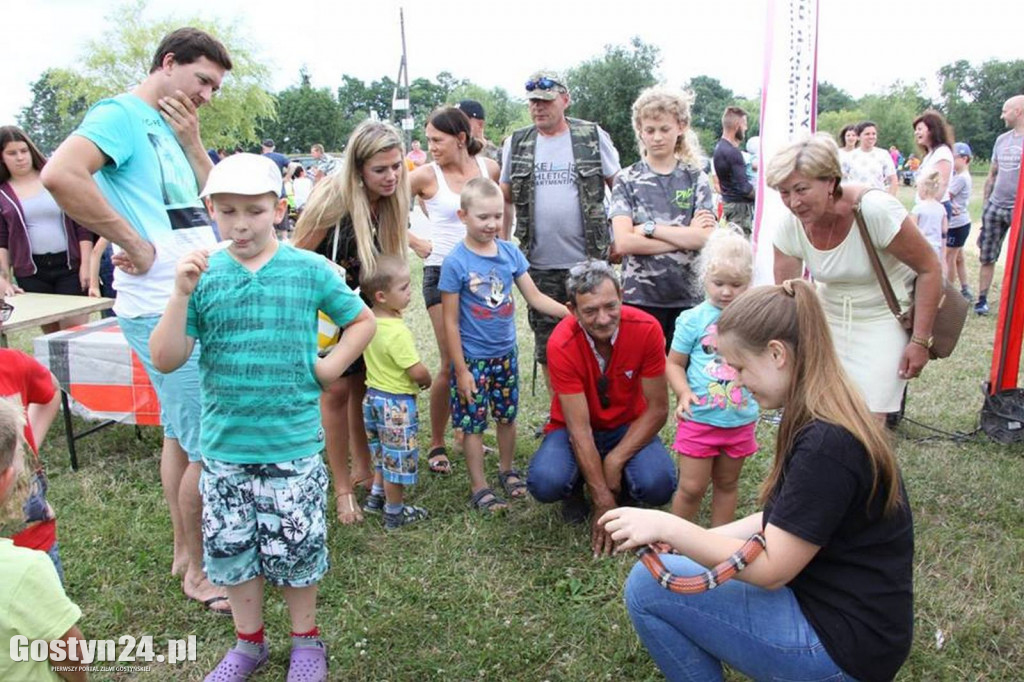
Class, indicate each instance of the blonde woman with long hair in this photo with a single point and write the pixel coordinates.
(351, 218)
(831, 594)
(661, 210)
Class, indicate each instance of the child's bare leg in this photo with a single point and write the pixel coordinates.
(961, 268)
(301, 607)
(246, 602)
(725, 478)
(362, 467)
(506, 432)
(473, 447)
(172, 467)
(394, 493)
(694, 476)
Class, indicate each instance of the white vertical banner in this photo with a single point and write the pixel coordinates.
(788, 109)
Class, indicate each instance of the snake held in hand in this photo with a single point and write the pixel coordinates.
(708, 580)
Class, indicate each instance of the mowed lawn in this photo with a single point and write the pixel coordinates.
(468, 597)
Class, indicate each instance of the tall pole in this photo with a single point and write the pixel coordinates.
(400, 98)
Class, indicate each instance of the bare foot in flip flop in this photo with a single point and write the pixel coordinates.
(348, 508)
(438, 462)
(207, 594)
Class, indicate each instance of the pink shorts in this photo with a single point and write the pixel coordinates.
(703, 440)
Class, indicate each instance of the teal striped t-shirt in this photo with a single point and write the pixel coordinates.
(257, 330)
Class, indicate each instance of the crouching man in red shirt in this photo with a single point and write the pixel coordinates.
(610, 399)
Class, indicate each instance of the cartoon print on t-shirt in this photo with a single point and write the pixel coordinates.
(489, 290)
(723, 391)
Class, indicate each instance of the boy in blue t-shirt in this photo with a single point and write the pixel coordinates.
(480, 329)
(253, 308)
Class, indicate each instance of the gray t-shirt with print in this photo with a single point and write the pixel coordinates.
(558, 239)
(1006, 154)
(667, 280)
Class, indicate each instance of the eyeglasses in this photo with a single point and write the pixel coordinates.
(602, 392)
(544, 83)
(6, 310)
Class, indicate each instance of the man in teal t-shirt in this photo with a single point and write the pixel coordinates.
(131, 173)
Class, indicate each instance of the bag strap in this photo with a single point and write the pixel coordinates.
(337, 234)
(876, 262)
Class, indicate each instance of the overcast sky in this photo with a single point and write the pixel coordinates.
(862, 47)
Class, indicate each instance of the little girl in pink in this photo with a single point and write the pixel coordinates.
(716, 414)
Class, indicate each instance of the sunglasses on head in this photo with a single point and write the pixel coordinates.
(6, 310)
(544, 83)
(602, 392)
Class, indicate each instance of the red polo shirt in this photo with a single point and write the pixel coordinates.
(638, 353)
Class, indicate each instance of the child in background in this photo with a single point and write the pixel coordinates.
(253, 308)
(931, 214)
(394, 375)
(716, 415)
(26, 381)
(960, 224)
(32, 602)
(480, 329)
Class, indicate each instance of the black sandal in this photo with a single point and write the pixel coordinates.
(486, 501)
(441, 467)
(515, 489)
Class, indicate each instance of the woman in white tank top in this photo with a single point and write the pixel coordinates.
(439, 184)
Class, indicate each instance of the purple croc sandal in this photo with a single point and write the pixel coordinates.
(308, 664)
(238, 667)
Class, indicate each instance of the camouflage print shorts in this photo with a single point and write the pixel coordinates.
(552, 283)
(265, 519)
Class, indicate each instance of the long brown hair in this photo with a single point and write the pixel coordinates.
(819, 389)
(342, 194)
(10, 134)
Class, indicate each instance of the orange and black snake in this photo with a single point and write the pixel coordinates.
(708, 580)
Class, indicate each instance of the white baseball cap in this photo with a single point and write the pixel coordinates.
(249, 174)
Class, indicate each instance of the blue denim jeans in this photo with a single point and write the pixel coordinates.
(649, 477)
(761, 633)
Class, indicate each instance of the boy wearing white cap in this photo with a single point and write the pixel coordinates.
(253, 308)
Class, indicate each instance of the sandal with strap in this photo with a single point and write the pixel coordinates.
(308, 664)
(409, 514)
(515, 488)
(486, 501)
(237, 666)
(442, 467)
(348, 508)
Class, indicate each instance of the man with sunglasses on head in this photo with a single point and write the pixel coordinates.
(607, 365)
(554, 173)
(131, 173)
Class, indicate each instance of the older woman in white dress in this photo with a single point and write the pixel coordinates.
(821, 234)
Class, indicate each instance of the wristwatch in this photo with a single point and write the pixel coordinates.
(649, 229)
(922, 341)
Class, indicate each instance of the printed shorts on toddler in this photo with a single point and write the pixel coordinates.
(497, 384)
(694, 439)
(392, 424)
(265, 519)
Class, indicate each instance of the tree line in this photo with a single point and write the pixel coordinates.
(603, 89)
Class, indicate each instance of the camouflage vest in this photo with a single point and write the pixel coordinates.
(586, 152)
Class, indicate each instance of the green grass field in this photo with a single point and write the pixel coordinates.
(466, 597)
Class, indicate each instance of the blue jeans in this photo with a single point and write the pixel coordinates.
(649, 477)
(762, 633)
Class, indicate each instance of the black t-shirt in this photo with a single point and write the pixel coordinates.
(857, 591)
(732, 173)
(346, 254)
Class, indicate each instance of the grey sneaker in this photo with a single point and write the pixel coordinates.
(374, 504)
(409, 514)
(966, 292)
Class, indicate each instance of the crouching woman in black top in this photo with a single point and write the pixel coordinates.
(830, 596)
